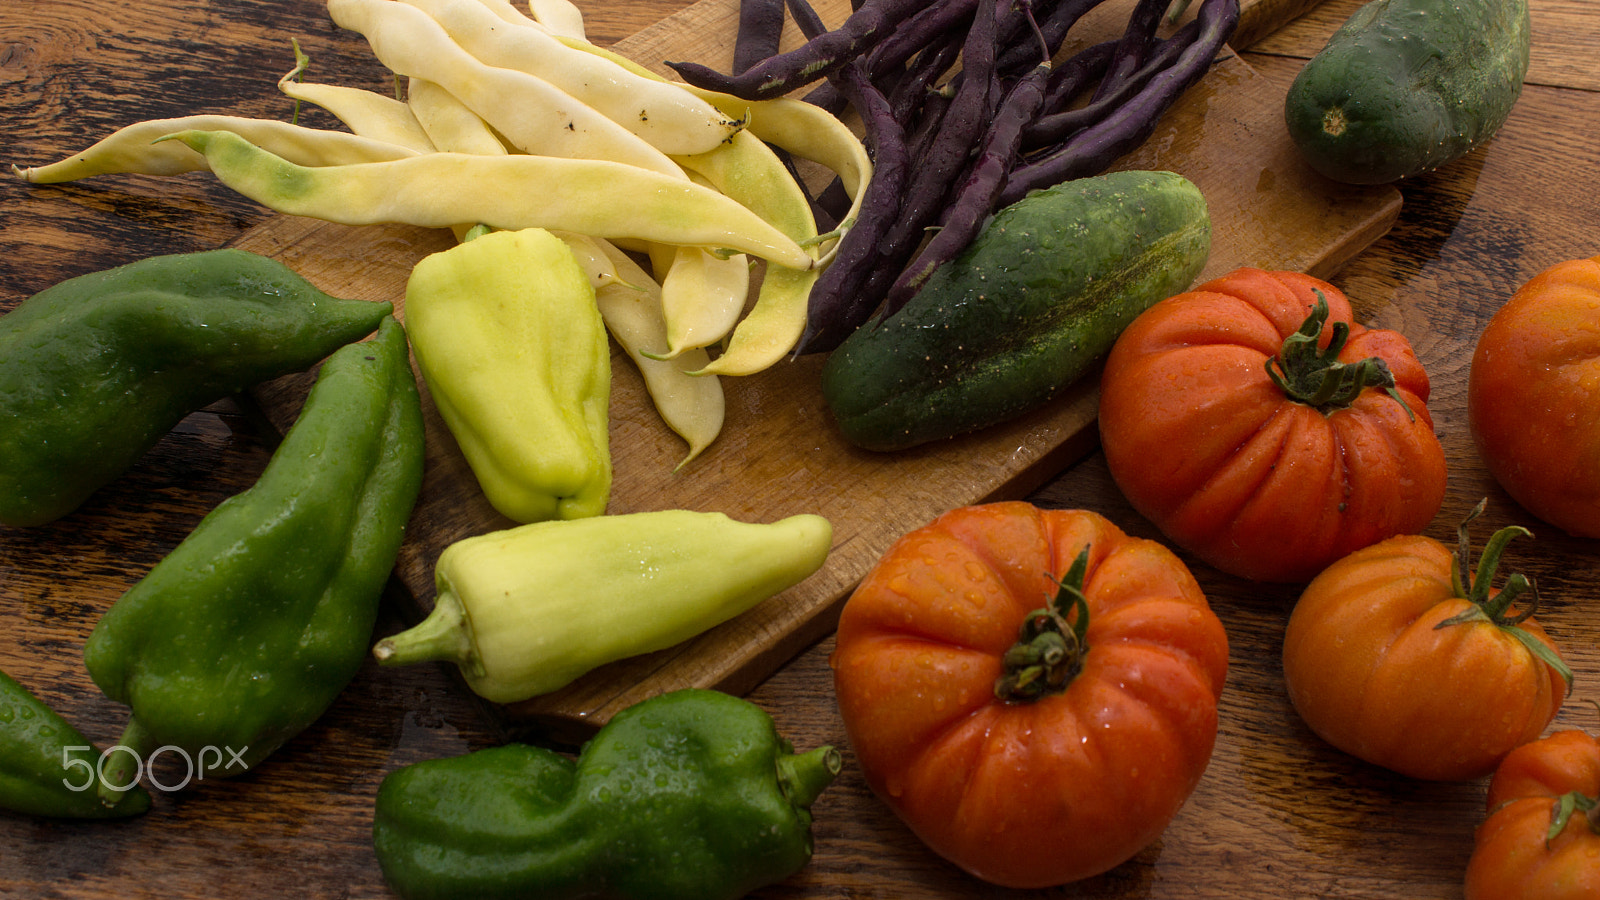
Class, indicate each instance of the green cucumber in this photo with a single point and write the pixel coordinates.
(1027, 309)
(1405, 86)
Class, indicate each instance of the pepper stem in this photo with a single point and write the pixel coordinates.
(804, 776)
(1050, 643)
(1496, 609)
(446, 634)
(1310, 374)
(124, 762)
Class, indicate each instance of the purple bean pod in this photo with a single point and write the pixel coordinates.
(1054, 25)
(836, 307)
(929, 27)
(962, 126)
(1077, 73)
(975, 201)
(1094, 149)
(815, 59)
(912, 91)
(1055, 127)
(1135, 44)
(760, 30)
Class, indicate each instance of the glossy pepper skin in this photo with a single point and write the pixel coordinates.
(245, 632)
(95, 369)
(689, 795)
(47, 767)
(527, 610)
(514, 352)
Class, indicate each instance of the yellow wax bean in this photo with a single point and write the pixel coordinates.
(803, 129)
(440, 190)
(132, 149)
(364, 112)
(532, 114)
(702, 297)
(449, 125)
(560, 16)
(668, 117)
(692, 406)
(747, 170)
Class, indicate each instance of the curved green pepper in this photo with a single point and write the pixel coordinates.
(95, 369)
(47, 767)
(690, 795)
(527, 610)
(511, 344)
(243, 635)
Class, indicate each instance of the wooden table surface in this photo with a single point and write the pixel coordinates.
(1279, 814)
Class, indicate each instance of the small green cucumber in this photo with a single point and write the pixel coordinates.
(1405, 86)
(1027, 309)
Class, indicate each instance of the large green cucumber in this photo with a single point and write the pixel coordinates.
(1027, 309)
(1405, 86)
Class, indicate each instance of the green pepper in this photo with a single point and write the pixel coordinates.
(510, 342)
(245, 633)
(689, 795)
(95, 369)
(527, 610)
(47, 767)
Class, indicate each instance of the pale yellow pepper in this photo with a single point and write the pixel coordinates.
(515, 356)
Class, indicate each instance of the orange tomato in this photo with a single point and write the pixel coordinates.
(1533, 396)
(1265, 433)
(1542, 835)
(1394, 657)
(1030, 742)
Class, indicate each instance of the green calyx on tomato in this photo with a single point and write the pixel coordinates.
(1050, 643)
(1569, 803)
(1314, 376)
(1495, 608)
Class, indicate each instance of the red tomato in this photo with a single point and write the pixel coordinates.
(1394, 657)
(1068, 757)
(1270, 478)
(1515, 856)
(1533, 396)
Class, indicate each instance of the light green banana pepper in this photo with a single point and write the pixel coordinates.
(512, 347)
(527, 610)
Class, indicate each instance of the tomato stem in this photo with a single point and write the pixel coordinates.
(1309, 374)
(1050, 643)
(1495, 607)
(1565, 805)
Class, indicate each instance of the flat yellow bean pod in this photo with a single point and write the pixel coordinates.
(803, 129)
(364, 112)
(440, 190)
(532, 114)
(448, 123)
(702, 297)
(560, 16)
(693, 406)
(133, 149)
(747, 170)
(668, 117)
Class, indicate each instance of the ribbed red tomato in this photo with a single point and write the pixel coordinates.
(1542, 835)
(1533, 396)
(1262, 429)
(1031, 734)
(1400, 655)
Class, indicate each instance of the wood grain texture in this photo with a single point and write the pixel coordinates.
(779, 453)
(1278, 814)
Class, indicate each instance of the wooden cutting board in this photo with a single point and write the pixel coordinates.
(779, 454)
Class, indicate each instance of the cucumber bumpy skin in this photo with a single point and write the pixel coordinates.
(1405, 86)
(1026, 310)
